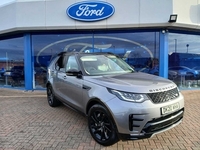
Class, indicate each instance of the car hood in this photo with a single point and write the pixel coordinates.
(133, 82)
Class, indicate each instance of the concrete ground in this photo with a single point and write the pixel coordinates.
(27, 122)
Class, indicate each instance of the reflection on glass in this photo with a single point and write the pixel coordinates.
(47, 46)
(184, 59)
(12, 62)
(137, 49)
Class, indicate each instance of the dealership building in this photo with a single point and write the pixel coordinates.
(156, 37)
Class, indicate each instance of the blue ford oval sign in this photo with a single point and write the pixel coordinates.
(90, 10)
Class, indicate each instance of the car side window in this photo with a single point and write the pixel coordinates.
(59, 65)
(71, 63)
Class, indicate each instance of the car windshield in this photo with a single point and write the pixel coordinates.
(104, 65)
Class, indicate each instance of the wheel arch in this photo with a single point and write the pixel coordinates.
(92, 102)
(95, 101)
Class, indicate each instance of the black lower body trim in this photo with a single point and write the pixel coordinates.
(125, 137)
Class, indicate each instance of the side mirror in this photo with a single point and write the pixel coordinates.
(74, 72)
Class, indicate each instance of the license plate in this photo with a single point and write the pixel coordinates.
(170, 108)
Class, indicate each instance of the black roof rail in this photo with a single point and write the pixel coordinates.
(66, 52)
(61, 53)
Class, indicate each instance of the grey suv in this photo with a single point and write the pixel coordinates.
(121, 104)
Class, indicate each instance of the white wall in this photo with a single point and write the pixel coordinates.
(51, 14)
(188, 13)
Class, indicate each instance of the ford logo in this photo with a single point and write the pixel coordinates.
(90, 11)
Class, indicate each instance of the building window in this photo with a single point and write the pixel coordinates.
(140, 50)
(184, 60)
(12, 62)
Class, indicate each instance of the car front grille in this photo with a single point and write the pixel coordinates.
(165, 96)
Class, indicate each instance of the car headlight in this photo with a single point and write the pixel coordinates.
(132, 97)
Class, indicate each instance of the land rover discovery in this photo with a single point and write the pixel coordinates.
(120, 103)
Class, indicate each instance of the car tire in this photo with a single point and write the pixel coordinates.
(53, 102)
(101, 126)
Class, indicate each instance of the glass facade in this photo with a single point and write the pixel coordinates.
(47, 46)
(184, 60)
(12, 62)
(139, 49)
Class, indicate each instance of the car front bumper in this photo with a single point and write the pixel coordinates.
(143, 120)
(156, 126)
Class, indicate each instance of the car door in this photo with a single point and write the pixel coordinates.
(71, 85)
(57, 71)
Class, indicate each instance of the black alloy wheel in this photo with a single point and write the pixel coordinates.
(101, 126)
(53, 102)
